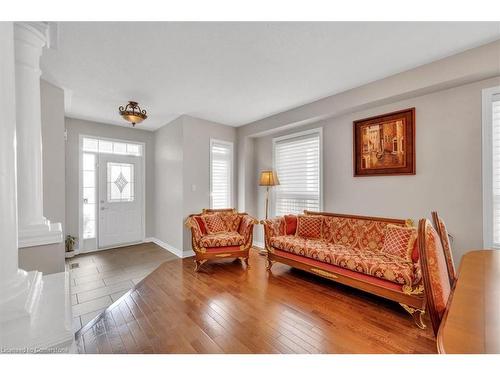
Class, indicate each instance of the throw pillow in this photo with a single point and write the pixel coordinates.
(309, 226)
(399, 241)
(214, 223)
(290, 224)
(232, 222)
(201, 225)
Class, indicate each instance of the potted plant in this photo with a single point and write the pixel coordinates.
(70, 246)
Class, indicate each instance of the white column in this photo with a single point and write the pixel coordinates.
(34, 228)
(18, 288)
(35, 312)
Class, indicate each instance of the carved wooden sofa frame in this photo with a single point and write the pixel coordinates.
(412, 299)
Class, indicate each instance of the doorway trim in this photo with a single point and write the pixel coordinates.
(81, 248)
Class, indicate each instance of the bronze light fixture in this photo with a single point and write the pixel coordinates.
(133, 113)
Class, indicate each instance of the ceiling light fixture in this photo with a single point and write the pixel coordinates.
(133, 113)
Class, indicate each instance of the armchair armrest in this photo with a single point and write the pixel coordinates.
(192, 224)
(272, 228)
(246, 228)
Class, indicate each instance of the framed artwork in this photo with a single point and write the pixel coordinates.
(385, 145)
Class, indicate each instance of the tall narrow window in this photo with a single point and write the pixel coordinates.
(221, 174)
(89, 195)
(491, 167)
(297, 161)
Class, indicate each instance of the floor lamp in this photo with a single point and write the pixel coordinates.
(268, 179)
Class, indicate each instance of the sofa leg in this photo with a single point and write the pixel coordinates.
(416, 314)
(198, 264)
(244, 260)
(269, 264)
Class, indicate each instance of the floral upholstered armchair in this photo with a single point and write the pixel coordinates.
(223, 233)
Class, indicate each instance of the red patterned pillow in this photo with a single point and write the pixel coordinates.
(201, 224)
(399, 241)
(309, 226)
(290, 224)
(231, 222)
(214, 223)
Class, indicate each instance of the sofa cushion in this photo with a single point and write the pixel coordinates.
(222, 239)
(383, 266)
(309, 226)
(380, 265)
(399, 241)
(214, 223)
(341, 271)
(290, 224)
(312, 248)
(289, 243)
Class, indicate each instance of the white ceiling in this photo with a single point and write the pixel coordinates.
(235, 73)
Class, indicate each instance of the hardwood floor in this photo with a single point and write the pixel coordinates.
(227, 309)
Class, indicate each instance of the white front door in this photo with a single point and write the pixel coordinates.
(121, 194)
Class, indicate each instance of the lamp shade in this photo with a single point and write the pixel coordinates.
(268, 178)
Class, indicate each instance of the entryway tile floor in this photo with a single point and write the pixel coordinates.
(100, 278)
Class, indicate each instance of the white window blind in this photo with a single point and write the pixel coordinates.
(495, 113)
(221, 175)
(297, 161)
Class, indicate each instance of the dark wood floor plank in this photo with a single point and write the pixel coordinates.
(226, 308)
(124, 331)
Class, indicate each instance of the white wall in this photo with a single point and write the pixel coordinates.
(168, 188)
(448, 156)
(76, 127)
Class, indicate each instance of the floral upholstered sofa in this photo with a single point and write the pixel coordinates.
(376, 255)
(219, 234)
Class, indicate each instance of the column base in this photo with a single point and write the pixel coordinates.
(41, 234)
(49, 327)
(20, 296)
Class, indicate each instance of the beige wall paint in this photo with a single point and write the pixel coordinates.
(448, 110)
(46, 258)
(196, 168)
(168, 189)
(448, 154)
(467, 67)
(177, 157)
(76, 127)
(183, 175)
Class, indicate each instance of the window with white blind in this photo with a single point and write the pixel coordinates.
(298, 164)
(491, 167)
(221, 174)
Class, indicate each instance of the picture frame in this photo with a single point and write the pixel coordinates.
(384, 145)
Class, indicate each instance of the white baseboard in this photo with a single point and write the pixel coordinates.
(260, 245)
(170, 248)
